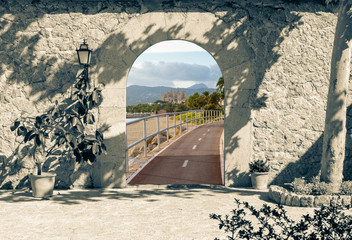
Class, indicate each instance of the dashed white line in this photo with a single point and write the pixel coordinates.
(208, 130)
(185, 163)
(204, 134)
(199, 139)
(194, 147)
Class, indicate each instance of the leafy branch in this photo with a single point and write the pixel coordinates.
(64, 126)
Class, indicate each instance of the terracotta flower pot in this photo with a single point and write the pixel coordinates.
(259, 180)
(42, 185)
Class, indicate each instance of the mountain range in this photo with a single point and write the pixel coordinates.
(141, 94)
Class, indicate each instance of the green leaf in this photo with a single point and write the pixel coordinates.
(103, 147)
(75, 121)
(90, 138)
(41, 137)
(37, 140)
(38, 122)
(77, 155)
(15, 126)
(80, 128)
(99, 135)
(26, 138)
(73, 143)
(32, 136)
(95, 148)
(95, 97)
(91, 118)
(68, 137)
(61, 141)
(22, 131)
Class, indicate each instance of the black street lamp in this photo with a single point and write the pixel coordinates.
(84, 55)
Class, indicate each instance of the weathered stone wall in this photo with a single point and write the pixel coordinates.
(275, 59)
(288, 129)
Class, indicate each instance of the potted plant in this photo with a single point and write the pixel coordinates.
(66, 128)
(259, 173)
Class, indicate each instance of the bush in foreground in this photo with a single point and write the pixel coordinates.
(273, 223)
(315, 187)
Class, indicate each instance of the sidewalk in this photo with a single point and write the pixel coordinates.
(138, 212)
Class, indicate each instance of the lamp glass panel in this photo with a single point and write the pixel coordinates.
(83, 57)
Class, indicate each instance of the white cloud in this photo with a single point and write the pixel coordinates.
(174, 46)
(172, 74)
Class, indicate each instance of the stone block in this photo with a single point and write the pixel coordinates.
(323, 200)
(275, 194)
(307, 201)
(296, 201)
(283, 197)
(288, 201)
(346, 201)
(336, 200)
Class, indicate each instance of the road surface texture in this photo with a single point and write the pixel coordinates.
(193, 159)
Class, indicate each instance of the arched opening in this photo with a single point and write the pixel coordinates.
(174, 107)
(234, 56)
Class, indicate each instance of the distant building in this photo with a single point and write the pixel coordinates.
(174, 96)
(159, 112)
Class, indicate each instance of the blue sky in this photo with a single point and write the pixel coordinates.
(174, 63)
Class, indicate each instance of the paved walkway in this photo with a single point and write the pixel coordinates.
(138, 212)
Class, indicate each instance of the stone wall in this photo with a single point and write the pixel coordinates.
(275, 59)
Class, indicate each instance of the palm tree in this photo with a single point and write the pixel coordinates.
(220, 87)
(335, 122)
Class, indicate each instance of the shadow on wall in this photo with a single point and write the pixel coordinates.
(251, 52)
(69, 174)
(309, 165)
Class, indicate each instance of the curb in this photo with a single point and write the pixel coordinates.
(282, 196)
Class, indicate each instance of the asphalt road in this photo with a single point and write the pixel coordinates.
(193, 159)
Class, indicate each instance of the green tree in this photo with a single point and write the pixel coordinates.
(220, 88)
(214, 99)
(191, 101)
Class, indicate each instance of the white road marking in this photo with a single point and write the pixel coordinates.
(185, 163)
(194, 147)
(204, 134)
(208, 130)
(200, 139)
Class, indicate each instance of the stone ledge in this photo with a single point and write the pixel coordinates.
(284, 197)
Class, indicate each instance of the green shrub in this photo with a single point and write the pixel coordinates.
(312, 187)
(273, 223)
(259, 166)
(346, 188)
(300, 186)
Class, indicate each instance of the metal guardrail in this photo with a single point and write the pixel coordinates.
(193, 117)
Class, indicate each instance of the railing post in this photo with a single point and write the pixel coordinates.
(167, 127)
(180, 124)
(127, 164)
(145, 134)
(175, 125)
(192, 119)
(187, 121)
(197, 113)
(158, 129)
(197, 117)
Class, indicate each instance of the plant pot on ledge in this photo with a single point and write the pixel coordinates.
(42, 185)
(259, 180)
(259, 174)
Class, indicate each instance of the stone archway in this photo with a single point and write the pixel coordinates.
(116, 56)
